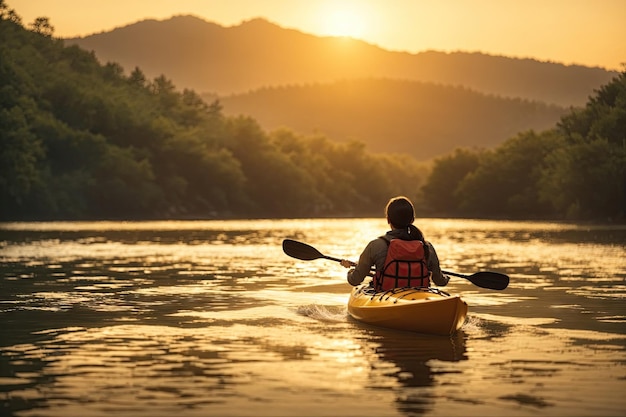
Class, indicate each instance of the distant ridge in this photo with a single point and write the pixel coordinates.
(210, 58)
(424, 120)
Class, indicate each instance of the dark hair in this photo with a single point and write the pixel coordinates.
(401, 215)
(400, 212)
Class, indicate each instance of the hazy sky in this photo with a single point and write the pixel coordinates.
(587, 32)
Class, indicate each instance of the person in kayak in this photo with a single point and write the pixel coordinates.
(403, 237)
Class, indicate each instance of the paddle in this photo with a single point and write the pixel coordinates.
(304, 252)
(483, 279)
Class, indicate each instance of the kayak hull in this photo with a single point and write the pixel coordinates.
(421, 310)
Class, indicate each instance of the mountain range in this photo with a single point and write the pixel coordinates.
(347, 88)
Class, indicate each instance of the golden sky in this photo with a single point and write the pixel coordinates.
(586, 32)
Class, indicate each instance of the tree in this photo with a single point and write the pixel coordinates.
(440, 192)
(506, 181)
(20, 154)
(42, 26)
(586, 180)
(113, 71)
(137, 78)
(124, 185)
(165, 90)
(9, 14)
(604, 116)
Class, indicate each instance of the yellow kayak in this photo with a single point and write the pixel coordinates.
(421, 310)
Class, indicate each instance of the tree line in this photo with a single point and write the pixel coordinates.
(83, 140)
(577, 170)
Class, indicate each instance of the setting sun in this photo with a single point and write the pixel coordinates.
(344, 22)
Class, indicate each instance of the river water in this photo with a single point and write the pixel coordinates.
(201, 318)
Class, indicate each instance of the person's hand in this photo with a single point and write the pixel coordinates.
(346, 263)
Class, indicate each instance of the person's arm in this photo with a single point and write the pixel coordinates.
(438, 277)
(362, 269)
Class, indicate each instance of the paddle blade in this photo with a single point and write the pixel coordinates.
(301, 250)
(491, 280)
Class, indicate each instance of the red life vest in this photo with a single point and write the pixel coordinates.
(405, 266)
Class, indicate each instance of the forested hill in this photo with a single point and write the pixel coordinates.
(209, 58)
(81, 140)
(420, 119)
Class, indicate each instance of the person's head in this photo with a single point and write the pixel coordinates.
(400, 213)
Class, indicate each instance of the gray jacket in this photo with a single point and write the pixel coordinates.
(375, 253)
